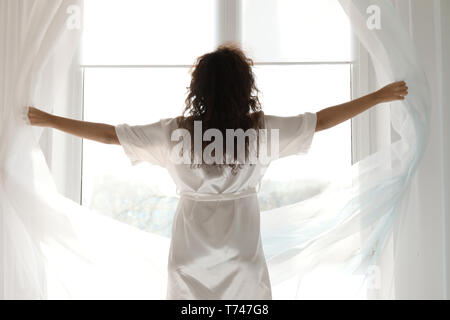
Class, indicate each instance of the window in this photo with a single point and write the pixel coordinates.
(136, 55)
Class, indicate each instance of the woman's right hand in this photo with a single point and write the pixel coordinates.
(392, 92)
(38, 117)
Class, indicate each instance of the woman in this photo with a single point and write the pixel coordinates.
(216, 250)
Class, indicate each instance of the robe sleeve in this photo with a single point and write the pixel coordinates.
(295, 133)
(144, 143)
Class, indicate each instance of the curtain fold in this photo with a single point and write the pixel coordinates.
(50, 246)
(30, 33)
(343, 230)
(53, 248)
(420, 241)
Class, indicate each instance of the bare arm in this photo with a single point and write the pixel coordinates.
(99, 132)
(332, 116)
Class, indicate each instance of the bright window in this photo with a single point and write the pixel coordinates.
(136, 55)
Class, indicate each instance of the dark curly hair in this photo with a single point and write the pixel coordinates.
(223, 95)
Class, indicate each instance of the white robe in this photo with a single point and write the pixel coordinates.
(216, 250)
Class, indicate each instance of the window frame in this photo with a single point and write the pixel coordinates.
(367, 134)
(371, 131)
(229, 28)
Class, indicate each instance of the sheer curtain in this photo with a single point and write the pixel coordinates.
(30, 31)
(50, 246)
(53, 248)
(323, 236)
(421, 238)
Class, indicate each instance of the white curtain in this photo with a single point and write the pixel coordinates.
(421, 238)
(50, 246)
(53, 248)
(340, 233)
(29, 32)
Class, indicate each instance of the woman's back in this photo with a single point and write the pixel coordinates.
(216, 250)
(217, 153)
(157, 144)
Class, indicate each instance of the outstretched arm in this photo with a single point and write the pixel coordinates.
(332, 116)
(99, 132)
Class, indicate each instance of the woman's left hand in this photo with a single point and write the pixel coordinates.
(38, 117)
